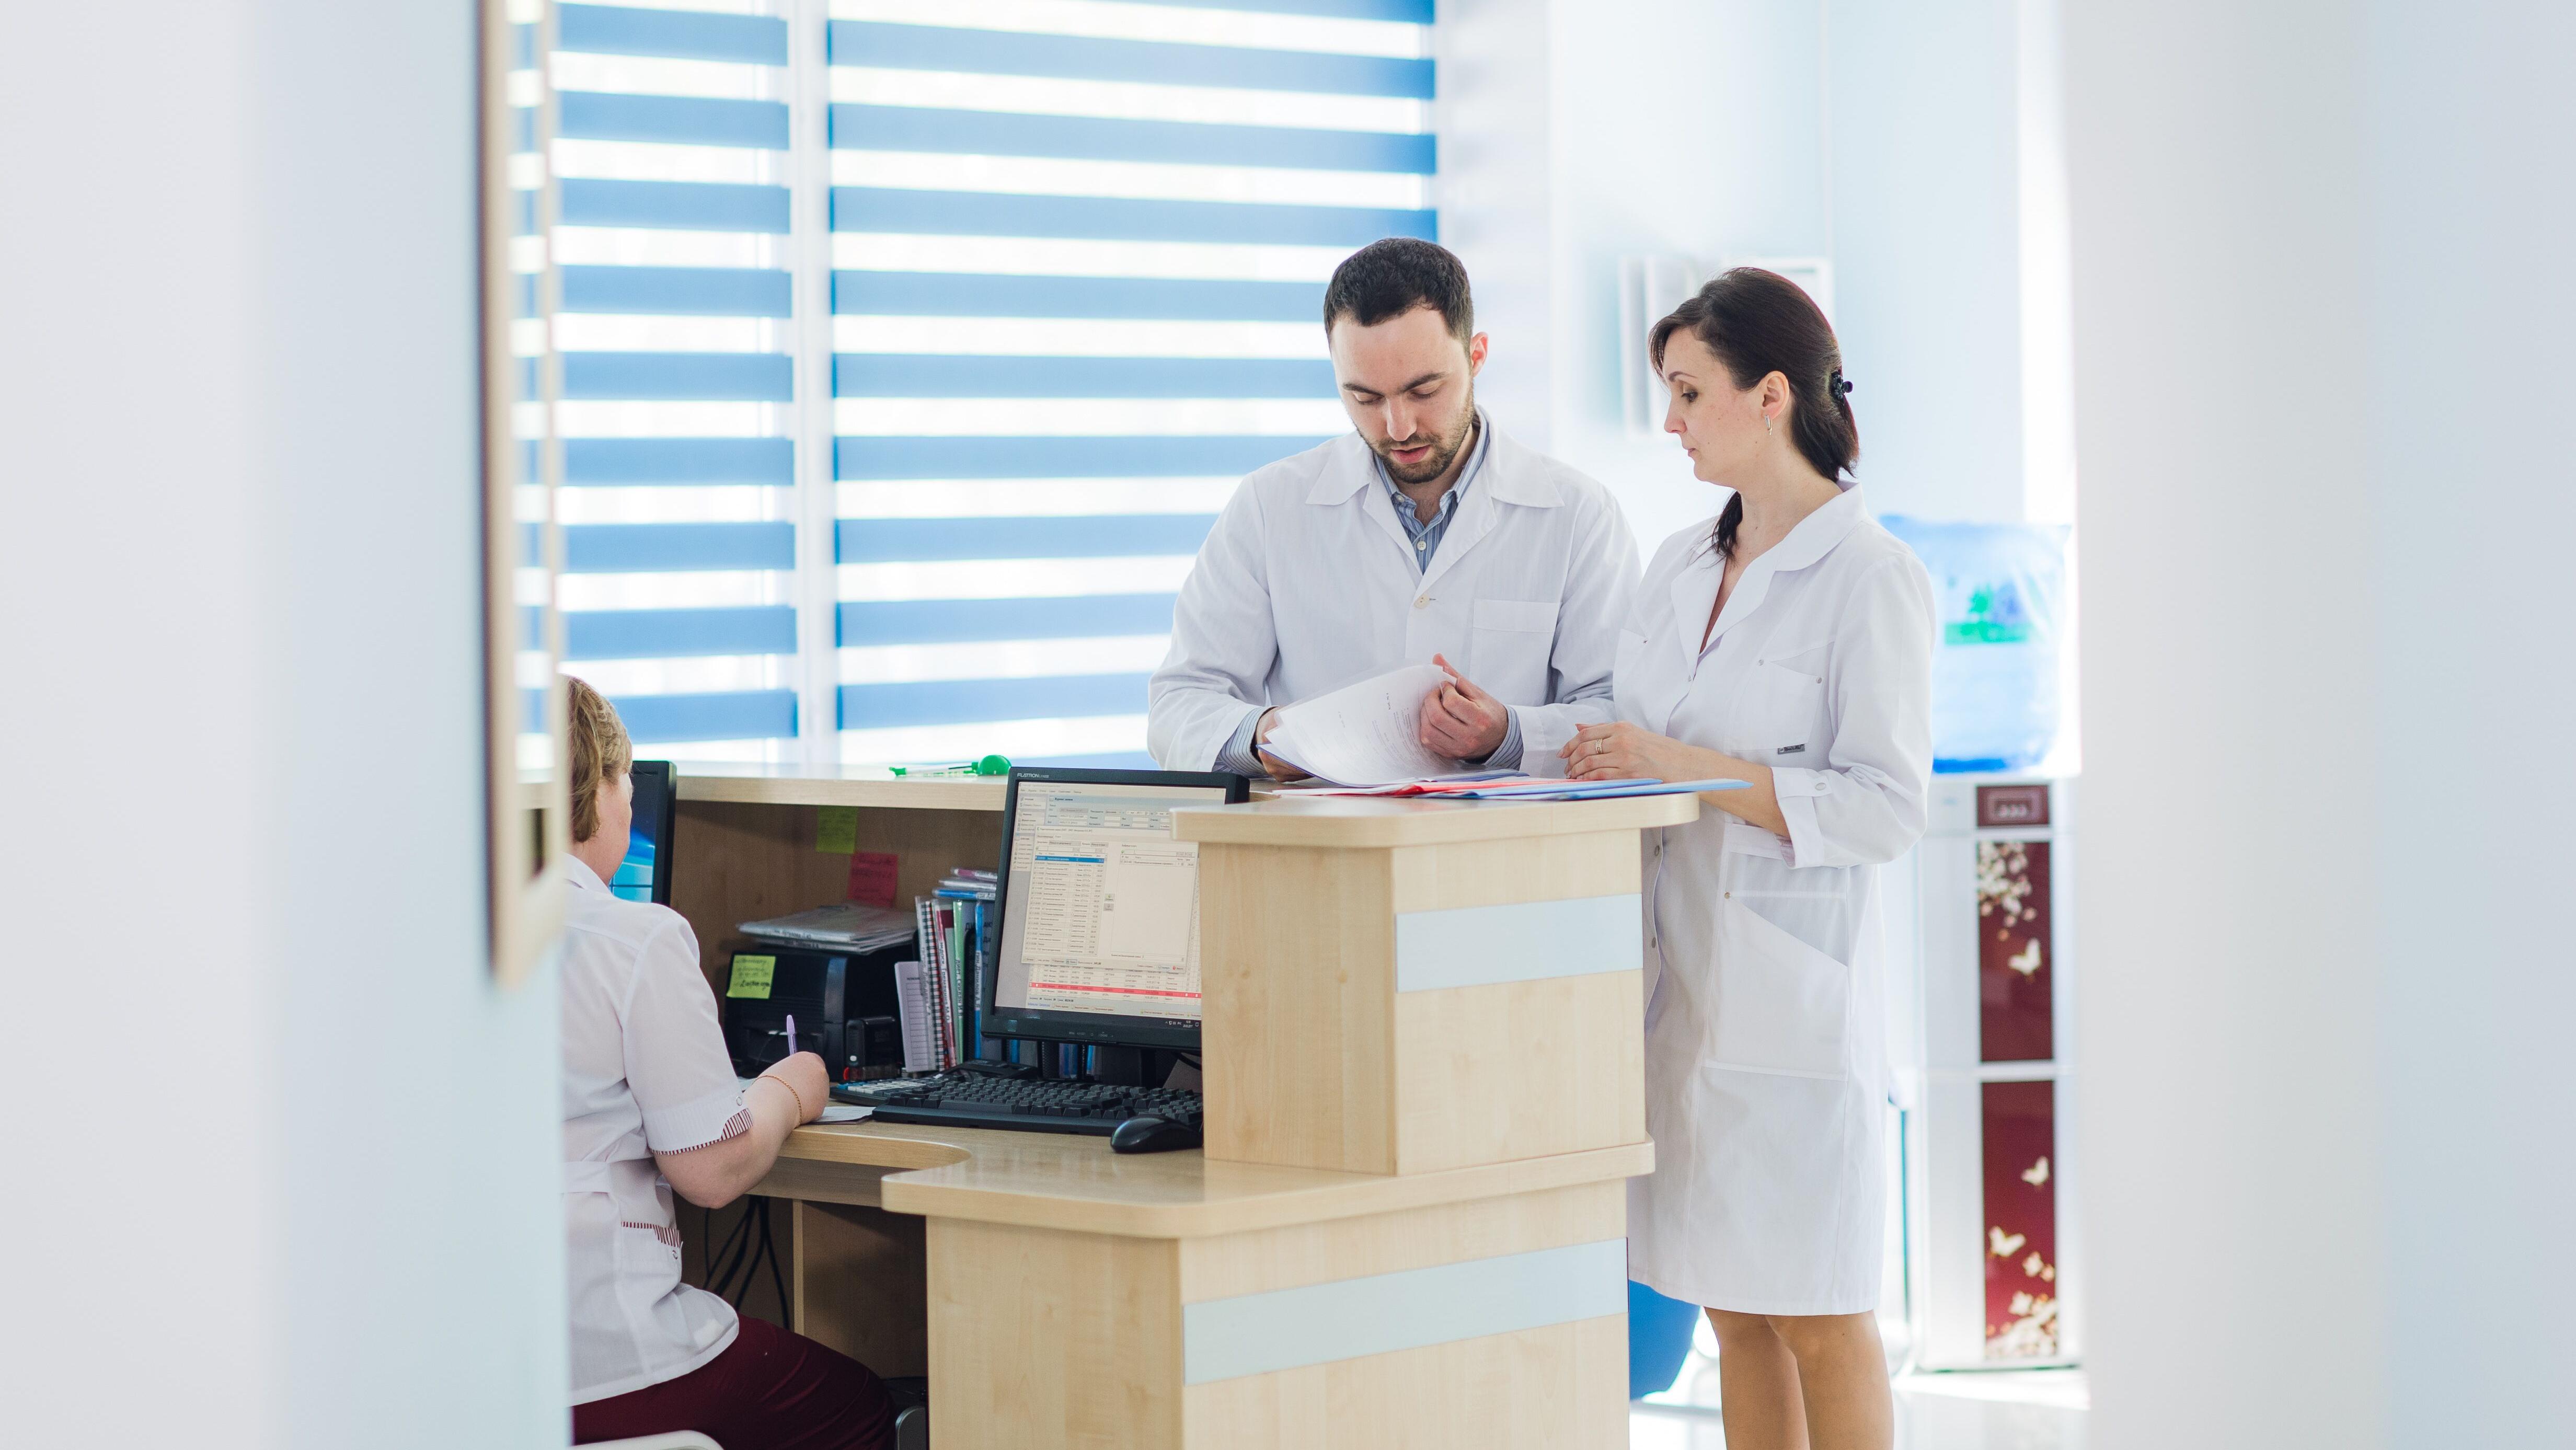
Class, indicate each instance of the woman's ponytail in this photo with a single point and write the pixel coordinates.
(1729, 519)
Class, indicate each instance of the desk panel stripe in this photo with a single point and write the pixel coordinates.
(1320, 1323)
(1526, 941)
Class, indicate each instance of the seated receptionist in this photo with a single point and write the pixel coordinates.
(650, 1107)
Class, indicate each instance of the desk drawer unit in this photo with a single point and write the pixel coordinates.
(1494, 1322)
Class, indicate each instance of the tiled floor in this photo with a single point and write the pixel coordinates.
(2022, 1410)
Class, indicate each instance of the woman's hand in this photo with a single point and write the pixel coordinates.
(804, 1075)
(1459, 720)
(1628, 752)
(1623, 751)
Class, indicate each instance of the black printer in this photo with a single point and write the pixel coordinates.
(843, 1003)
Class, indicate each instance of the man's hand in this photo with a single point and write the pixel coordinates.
(1279, 769)
(1461, 721)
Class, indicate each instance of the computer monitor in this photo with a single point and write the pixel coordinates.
(1099, 908)
(645, 874)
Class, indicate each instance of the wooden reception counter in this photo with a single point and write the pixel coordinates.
(1422, 1051)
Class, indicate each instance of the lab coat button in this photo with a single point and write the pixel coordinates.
(1422, 602)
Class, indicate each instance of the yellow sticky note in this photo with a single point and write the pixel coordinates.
(751, 977)
(839, 831)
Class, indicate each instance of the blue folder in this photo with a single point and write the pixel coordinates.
(1605, 790)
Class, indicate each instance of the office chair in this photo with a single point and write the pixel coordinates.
(911, 1412)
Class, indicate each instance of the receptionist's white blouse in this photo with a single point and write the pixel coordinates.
(645, 1068)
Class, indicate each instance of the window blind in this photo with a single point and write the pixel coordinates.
(675, 327)
(1078, 251)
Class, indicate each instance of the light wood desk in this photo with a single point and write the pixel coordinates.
(1424, 1099)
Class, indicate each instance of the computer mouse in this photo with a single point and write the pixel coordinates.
(1152, 1135)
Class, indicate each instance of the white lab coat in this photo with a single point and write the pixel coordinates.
(1766, 1072)
(1308, 583)
(645, 1068)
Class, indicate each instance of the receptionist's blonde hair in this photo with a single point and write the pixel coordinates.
(600, 754)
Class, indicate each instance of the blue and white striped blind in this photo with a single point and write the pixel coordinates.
(1078, 252)
(676, 328)
(533, 577)
(1054, 268)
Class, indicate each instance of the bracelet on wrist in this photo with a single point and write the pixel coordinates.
(802, 1114)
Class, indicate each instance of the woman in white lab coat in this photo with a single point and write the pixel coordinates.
(1789, 644)
(651, 1104)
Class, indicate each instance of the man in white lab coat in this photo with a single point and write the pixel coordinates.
(1424, 536)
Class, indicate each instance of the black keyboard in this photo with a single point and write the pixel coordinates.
(1032, 1105)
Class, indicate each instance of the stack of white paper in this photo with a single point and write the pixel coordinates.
(1363, 734)
(849, 926)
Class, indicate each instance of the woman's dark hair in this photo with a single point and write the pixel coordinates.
(1759, 323)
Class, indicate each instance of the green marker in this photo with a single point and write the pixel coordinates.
(989, 765)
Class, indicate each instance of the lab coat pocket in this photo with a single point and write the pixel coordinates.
(1780, 1004)
(1779, 716)
(1508, 652)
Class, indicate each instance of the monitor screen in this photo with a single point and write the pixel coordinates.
(645, 874)
(1100, 908)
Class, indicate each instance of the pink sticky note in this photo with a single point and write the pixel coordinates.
(872, 878)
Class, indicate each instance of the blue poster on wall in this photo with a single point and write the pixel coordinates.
(1999, 600)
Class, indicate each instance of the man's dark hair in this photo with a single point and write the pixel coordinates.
(1392, 277)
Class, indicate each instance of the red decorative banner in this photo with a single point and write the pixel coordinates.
(2014, 952)
(2021, 1220)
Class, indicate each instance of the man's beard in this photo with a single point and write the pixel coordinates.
(1443, 453)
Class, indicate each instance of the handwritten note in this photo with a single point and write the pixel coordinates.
(872, 878)
(838, 831)
(752, 976)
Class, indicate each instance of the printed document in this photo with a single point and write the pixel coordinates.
(1363, 734)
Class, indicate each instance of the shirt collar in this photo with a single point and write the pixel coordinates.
(1816, 535)
(578, 872)
(1457, 490)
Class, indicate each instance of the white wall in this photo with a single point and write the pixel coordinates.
(1924, 125)
(1497, 198)
(283, 1161)
(2321, 298)
(2473, 505)
(1888, 138)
